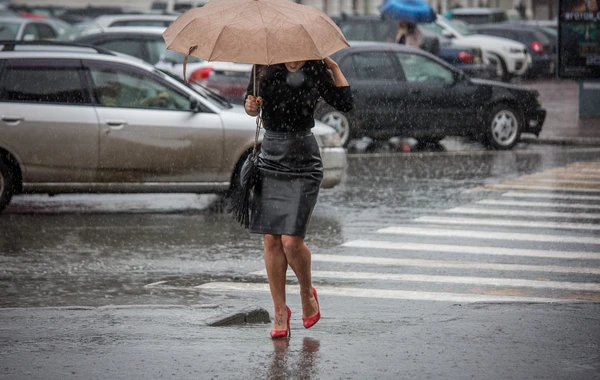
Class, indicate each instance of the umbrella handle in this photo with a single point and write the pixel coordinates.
(185, 63)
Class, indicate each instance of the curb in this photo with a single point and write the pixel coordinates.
(567, 141)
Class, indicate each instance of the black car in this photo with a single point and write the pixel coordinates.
(381, 29)
(541, 48)
(403, 91)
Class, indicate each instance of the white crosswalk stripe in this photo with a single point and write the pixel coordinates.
(438, 232)
(528, 213)
(575, 197)
(502, 202)
(507, 223)
(508, 239)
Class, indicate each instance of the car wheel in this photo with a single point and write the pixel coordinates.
(7, 185)
(504, 75)
(338, 121)
(503, 127)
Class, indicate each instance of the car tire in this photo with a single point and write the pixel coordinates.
(340, 121)
(7, 185)
(503, 127)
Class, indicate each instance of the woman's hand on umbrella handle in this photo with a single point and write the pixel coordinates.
(330, 63)
(253, 105)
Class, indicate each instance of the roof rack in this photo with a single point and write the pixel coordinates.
(10, 45)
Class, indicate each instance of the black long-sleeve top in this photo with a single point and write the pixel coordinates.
(289, 98)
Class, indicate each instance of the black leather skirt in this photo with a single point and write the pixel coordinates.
(290, 176)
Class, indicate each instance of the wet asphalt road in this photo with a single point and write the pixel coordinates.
(113, 257)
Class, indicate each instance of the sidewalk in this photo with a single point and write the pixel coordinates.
(560, 98)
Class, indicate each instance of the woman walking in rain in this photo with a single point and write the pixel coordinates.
(291, 172)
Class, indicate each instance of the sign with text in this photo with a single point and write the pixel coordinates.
(579, 39)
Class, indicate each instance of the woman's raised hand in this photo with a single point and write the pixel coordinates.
(252, 105)
(330, 63)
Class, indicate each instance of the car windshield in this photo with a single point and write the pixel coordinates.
(207, 94)
(176, 58)
(9, 30)
(460, 27)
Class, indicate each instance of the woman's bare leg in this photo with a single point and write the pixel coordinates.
(298, 257)
(276, 265)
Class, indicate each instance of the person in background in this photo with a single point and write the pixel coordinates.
(409, 34)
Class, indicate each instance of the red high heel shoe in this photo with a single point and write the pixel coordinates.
(278, 334)
(311, 321)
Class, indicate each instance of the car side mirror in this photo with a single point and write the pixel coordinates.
(447, 33)
(195, 106)
(29, 37)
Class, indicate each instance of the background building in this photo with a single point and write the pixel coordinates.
(538, 9)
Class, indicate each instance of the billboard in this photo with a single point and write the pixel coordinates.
(579, 39)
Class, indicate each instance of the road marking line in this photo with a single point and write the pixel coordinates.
(502, 202)
(405, 230)
(549, 214)
(471, 265)
(546, 188)
(558, 180)
(521, 194)
(557, 184)
(382, 293)
(473, 250)
(573, 170)
(507, 223)
(566, 175)
(463, 280)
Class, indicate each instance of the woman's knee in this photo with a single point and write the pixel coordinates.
(272, 242)
(292, 244)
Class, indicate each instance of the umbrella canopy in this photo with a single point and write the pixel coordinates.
(262, 32)
(415, 11)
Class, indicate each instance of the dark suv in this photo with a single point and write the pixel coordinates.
(541, 48)
(381, 29)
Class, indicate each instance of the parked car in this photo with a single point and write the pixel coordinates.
(477, 15)
(82, 119)
(230, 80)
(26, 29)
(78, 15)
(101, 23)
(145, 43)
(175, 6)
(403, 91)
(541, 48)
(512, 56)
(381, 29)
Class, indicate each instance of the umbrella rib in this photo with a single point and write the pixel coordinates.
(266, 34)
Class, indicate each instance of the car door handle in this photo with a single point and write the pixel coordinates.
(116, 124)
(12, 119)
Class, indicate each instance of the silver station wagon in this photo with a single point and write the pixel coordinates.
(82, 119)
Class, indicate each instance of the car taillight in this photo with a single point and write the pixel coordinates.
(465, 57)
(537, 47)
(200, 74)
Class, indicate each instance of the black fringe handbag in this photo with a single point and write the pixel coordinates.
(241, 194)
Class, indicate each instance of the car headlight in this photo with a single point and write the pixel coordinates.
(513, 50)
(329, 140)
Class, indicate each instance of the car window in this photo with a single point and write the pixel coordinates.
(176, 58)
(31, 30)
(40, 81)
(45, 32)
(157, 23)
(418, 68)
(118, 88)
(357, 31)
(155, 49)
(375, 66)
(133, 47)
(433, 27)
(9, 30)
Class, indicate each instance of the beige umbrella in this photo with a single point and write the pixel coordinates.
(262, 32)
